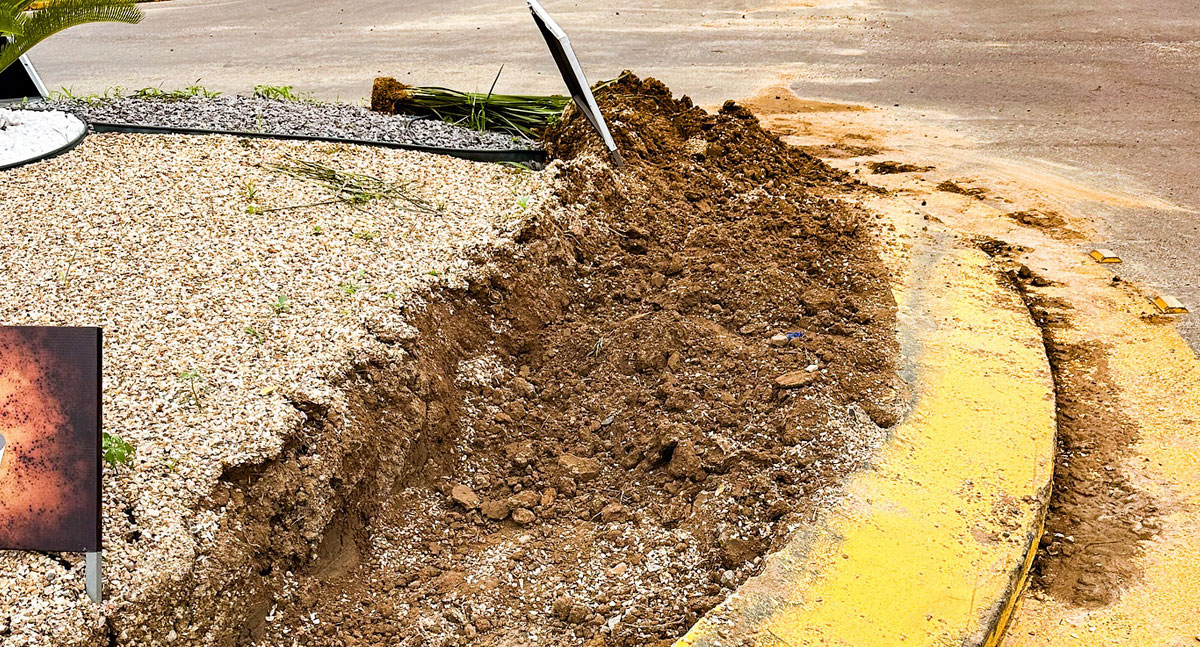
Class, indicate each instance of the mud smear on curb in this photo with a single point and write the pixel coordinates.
(626, 450)
(1096, 517)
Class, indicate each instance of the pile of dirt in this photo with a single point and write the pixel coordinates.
(683, 364)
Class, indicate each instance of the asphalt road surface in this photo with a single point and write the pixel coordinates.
(1107, 89)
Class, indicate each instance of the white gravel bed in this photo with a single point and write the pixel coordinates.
(164, 242)
(257, 114)
(25, 134)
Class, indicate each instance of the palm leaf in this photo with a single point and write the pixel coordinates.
(32, 27)
(10, 14)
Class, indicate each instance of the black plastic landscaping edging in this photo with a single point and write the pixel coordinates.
(47, 155)
(520, 156)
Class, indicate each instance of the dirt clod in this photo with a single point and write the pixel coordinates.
(580, 469)
(890, 167)
(950, 186)
(464, 496)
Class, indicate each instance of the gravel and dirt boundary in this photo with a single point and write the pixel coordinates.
(247, 315)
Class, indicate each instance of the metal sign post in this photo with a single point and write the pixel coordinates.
(572, 74)
(93, 576)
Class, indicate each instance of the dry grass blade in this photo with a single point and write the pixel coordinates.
(355, 188)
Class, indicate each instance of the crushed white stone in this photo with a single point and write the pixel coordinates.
(25, 134)
(154, 239)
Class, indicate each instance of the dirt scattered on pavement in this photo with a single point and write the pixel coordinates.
(1052, 222)
(1097, 516)
(681, 372)
(889, 167)
(950, 186)
(841, 150)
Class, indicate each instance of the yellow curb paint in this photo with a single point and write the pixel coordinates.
(1156, 373)
(996, 636)
(1158, 377)
(931, 545)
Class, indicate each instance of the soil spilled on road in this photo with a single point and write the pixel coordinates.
(670, 373)
(1097, 516)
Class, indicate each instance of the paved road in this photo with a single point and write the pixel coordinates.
(1108, 88)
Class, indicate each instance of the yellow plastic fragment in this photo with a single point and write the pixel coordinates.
(1169, 305)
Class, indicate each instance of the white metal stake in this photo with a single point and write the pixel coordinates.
(93, 576)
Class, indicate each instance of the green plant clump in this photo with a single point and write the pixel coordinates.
(187, 92)
(516, 114)
(117, 451)
(24, 27)
(278, 92)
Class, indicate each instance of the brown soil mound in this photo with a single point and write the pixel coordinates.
(631, 437)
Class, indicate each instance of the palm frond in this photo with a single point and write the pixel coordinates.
(522, 115)
(10, 16)
(32, 27)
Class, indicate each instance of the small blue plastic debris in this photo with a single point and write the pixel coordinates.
(799, 334)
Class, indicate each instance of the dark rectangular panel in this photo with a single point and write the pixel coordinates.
(572, 74)
(50, 384)
(19, 80)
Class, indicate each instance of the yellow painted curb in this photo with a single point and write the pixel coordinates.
(932, 545)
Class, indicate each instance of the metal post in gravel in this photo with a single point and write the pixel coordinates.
(93, 575)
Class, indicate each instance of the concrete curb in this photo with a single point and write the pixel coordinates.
(933, 544)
